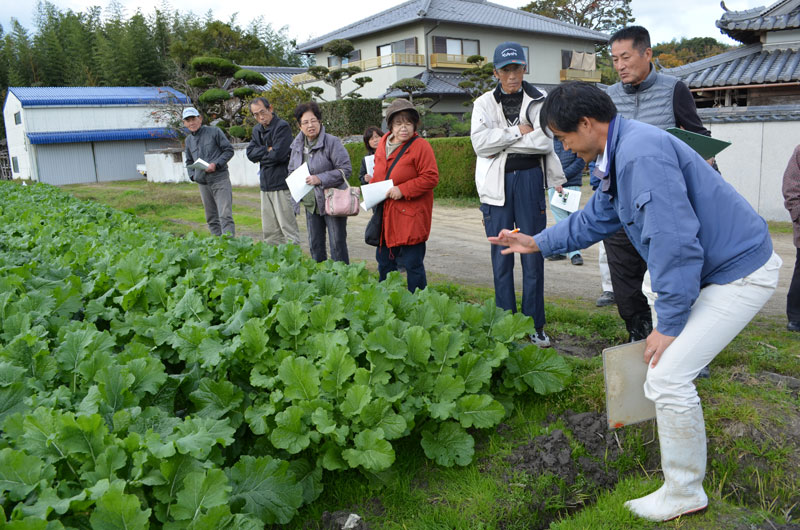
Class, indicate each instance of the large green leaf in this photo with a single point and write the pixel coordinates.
(355, 400)
(197, 436)
(20, 473)
(267, 487)
(479, 410)
(337, 367)
(290, 432)
(372, 452)
(292, 318)
(214, 399)
(542, 370)
(448, 444)
(118, 511)
(327, 313)
(301, 378)
(200, 492)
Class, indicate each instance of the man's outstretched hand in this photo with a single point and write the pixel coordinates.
(515, 241)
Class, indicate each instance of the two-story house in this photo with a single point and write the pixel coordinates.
(432, 39)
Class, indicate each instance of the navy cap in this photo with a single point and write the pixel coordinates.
(508, 53)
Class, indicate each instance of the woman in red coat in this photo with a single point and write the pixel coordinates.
(409, 203)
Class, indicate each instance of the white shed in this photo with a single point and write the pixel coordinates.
(69, 135)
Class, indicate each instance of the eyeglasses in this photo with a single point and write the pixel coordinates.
(308, 123)
(261, 113)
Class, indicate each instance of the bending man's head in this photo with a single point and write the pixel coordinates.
(578, 115)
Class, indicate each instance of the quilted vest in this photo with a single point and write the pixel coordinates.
(649, 102)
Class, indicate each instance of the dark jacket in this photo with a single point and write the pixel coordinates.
(210, 144)
(328, 160)
(407, 221)
(273, 165)
(362, 174)
(573, 166)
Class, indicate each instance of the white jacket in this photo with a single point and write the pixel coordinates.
(492, 140)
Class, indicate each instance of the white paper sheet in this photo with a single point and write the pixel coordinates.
(297, 183)
(370, 161)
(199, 164)
(374, 194)
(569, 200)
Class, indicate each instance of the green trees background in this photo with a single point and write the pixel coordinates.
(110, 47)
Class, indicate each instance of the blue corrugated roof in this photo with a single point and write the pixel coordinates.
(64, 137)
(63, 96)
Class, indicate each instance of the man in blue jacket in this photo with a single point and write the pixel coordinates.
(711, 279)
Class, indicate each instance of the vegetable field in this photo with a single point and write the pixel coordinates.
(149, 381)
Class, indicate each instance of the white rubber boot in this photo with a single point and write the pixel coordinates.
(683, 459)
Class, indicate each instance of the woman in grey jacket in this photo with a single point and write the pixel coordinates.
(329, 167)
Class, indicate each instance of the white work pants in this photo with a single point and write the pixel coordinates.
(717, 316)
(605, 274)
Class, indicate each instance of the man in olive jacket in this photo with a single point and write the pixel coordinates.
(270, 148)
(210, 145)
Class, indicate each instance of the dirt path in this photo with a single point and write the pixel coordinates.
(458, 250)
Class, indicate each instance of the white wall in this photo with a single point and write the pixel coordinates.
(18, 146)
(162, 166)
(755, 162)
(49, 119)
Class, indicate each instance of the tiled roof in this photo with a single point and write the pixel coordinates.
(750, 114)
(275, 73)
(473, 12)
(748, 65)
(81, 96)
(63, 137)
(746, 26)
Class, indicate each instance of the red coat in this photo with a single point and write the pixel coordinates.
(408, 220)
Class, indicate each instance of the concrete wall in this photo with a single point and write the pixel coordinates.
(755, 162)
(169, 166)
(89, 118)
(17, 141)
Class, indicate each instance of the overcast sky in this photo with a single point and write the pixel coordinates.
(666, 20)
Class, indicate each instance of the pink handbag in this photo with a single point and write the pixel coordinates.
(342, 203)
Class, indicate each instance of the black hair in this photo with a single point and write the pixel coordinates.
(639, 35)
(302, 108)
(566, 104)
(368, 136)
(261, 100)
(410, 114)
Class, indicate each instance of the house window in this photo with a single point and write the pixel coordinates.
(450, 46)
(354, 55)
(17, 118)
(400, 46)
(15, 164)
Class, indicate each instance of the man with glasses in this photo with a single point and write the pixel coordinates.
(516, 164)
(270, 148)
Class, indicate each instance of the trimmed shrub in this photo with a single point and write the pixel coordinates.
(243, 92)
(238, 131)
(213, 95)
(202, 81)
(454, 156)
(345, 117)
(214, 65)
(284, 98)
(250, 76)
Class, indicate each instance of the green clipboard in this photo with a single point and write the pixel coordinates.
(704, 145)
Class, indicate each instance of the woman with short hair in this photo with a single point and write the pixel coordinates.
(329, 167)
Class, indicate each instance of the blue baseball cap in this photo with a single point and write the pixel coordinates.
(508, 53)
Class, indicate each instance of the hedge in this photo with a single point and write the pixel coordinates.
(454, 156)
(345, 117)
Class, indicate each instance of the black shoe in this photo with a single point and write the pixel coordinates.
(540, 338)
(704, 373)
(607, 298)
(576, 259)
(639, 326)
(556, 257)
(793, 325)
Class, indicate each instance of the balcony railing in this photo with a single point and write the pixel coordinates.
(373, 63)
(449, 60)
(573, 74)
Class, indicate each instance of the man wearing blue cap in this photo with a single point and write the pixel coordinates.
(210, 145)
(516, 164)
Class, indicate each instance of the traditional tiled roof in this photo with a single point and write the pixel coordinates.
(63, 96)
(750, 114)
(751, 64)
(63, 137)
(473, 12)
(443, 84)
(275, 73)
(746, 26)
